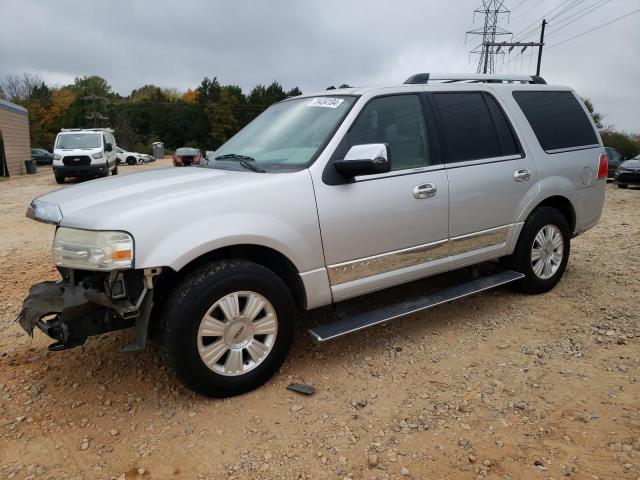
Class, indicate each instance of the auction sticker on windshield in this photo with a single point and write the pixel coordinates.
(326, 102)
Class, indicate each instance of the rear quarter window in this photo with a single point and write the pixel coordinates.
(557, 119)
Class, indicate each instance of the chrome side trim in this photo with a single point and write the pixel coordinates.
(408, 257)
(386, 262)
(573, 149)
(478, 240)
(398, 173)
(482, 161)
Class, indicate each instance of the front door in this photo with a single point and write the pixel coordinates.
(490, 178)
(383, 229)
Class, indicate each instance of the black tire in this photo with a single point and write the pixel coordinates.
(520, 261)
(189, 302)
(59, 179)
(131, 161)
(115, 170)
(622, 186)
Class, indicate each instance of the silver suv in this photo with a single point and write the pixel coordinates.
(320, 199)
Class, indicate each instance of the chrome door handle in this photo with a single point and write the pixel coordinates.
(522, 175)
(426, 190)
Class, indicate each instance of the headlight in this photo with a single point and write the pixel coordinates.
(92, 250)
(57, 157)
(97, 155)
(44, 212)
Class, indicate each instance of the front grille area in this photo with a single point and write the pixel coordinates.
(76, 161)
(629, 177)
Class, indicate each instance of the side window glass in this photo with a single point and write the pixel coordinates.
(397, 121)
(557, 118)
(468, 127)
(506, 137)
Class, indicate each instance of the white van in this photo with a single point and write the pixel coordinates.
(84, 153)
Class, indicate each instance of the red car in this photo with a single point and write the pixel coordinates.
(186, 157)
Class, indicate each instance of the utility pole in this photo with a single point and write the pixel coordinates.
(95, 115)
(544, 24)
(492, 10)
(522, 45)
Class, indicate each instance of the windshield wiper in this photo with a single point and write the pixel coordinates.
(251, 166)
(235, 156)
(242, 160)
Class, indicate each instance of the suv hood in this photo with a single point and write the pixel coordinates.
(633, 163)
(100, 203)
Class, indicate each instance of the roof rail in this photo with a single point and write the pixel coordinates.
(473, 78)
(110, 130)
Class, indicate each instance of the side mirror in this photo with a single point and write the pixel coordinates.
(108, 147)
(366, 159)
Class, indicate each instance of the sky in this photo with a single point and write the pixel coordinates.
(312, 44)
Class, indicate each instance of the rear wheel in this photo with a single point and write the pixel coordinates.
(622, 186)
(228, 327)
(115, 170)
(131, 160)
(542, 251)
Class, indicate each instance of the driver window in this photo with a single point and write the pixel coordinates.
(398, 121)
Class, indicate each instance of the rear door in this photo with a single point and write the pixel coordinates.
(490, 177)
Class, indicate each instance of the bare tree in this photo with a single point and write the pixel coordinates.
(12, 86)
(20, 88)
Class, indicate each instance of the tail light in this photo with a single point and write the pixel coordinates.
(603, 167)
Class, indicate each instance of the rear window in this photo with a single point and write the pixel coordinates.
(187, 151)
(557, 119)
(474, 127)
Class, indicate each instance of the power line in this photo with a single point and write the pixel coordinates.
(589, 9)
(520, 4)
(566, 9)
(633, 12)
(527, 11)
(532, 27)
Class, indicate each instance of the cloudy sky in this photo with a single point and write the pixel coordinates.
(315, 43)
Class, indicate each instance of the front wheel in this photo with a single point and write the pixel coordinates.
(228, 327)
(542, 251)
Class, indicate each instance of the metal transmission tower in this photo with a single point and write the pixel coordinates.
(492, 10)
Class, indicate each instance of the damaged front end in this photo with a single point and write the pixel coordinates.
(87, 303)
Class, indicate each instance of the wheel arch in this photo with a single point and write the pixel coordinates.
(563, 205)
(268, 257)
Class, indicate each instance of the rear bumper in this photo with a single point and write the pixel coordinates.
(80, 170)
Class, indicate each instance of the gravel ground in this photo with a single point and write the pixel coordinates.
(501, 385)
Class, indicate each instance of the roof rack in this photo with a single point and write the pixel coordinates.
(110, 130)
(473, 78)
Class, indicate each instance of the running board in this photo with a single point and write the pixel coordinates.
(329, 331)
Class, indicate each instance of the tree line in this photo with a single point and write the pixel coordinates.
(203, 117)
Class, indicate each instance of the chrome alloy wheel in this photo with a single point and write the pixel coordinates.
(237, 333)
(547, 252)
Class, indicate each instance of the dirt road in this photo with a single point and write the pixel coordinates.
(501, 385)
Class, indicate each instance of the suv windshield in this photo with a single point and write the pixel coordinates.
(78, 140)
(287, 135)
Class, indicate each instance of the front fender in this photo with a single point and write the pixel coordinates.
(208, 234)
